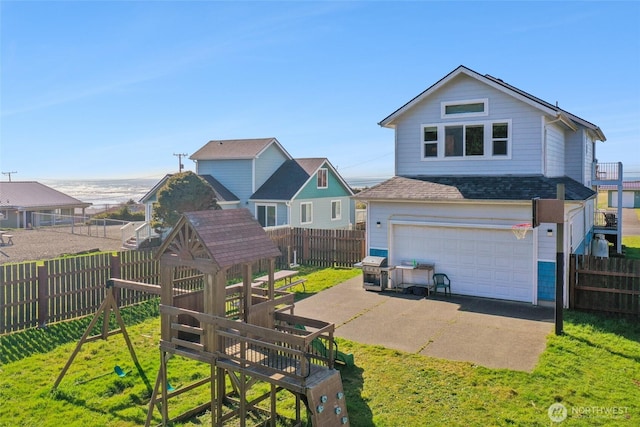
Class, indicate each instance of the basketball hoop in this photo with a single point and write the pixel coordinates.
(520, 230)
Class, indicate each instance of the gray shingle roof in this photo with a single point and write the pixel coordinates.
(512, 187)
(288, 179)
(232, 149)
(232, 236)
(33, 195)
(223, 194)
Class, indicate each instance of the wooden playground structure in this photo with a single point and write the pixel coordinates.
(246, 332)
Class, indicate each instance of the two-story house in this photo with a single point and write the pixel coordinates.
(260, 175)
(471, 152)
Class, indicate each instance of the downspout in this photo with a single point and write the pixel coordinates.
(288, 205)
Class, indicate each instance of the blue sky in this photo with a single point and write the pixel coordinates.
(113, 89)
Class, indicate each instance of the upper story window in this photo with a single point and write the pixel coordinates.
(466, 108)
(490, 139)
(323, 178)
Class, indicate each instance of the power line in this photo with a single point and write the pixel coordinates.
(180, 156)
(9, 173)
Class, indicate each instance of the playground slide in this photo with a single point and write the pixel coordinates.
(338, 356)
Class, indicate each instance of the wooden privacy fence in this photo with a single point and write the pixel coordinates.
(610, 285)
(35, 294)
(329, 248)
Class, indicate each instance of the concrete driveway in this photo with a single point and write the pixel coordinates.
(491, 333)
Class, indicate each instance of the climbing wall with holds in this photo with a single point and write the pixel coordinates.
(327, 402)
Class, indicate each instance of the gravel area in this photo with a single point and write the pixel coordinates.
(47, 243)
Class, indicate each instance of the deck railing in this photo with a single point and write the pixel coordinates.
(292, 349)
(607, 171)
(606, 219)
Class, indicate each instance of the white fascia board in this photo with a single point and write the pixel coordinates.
(324, 164)
(387, 122)
(277, 143)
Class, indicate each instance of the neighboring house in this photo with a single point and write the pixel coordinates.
(630, 194)
(20, 200)
(471, 152)
(260, 175)
(224, 198)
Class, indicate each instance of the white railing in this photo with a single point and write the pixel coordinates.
(141, 231)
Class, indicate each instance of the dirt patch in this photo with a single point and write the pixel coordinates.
(45, 243)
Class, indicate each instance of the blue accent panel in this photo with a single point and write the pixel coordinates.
(546, 281)
(379, 252)
(580, 249)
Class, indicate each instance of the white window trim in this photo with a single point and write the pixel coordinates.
(339, 217)
(266, 205)
(445, 104)
(326, 171)
(488, 141)
(310, 209)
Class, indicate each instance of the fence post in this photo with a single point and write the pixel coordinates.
(43, 296)
(3, 309)
(305, 245)
(114, 273)
(572, 279)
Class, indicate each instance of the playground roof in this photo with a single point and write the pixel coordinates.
(225, 237)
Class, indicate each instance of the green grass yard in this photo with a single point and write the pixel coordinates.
(593, 370)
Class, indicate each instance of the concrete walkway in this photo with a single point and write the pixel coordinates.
(491, 333)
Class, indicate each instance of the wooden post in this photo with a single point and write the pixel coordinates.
(115, 273)
(272, 267)
(559, 267)
(166, 298)
(43, 296)
(246, 290)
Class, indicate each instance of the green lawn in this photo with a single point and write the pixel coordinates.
(594, 370)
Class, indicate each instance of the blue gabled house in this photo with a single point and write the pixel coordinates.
(275, 187)
(260, 175)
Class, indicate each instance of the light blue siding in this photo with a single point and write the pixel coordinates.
(554, 150)
(546, 244)
(526, 133)
(266, 164)
(236, 175)
(575, 155)
(321, 213)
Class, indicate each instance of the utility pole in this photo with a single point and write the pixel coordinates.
(180, 156)
(9, 174)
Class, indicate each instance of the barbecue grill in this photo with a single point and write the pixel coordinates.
(375, 273)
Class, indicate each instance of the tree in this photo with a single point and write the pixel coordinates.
(183, 192)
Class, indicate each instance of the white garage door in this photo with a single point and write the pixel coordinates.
(481, 262)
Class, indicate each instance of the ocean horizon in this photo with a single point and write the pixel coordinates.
(105, 193)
